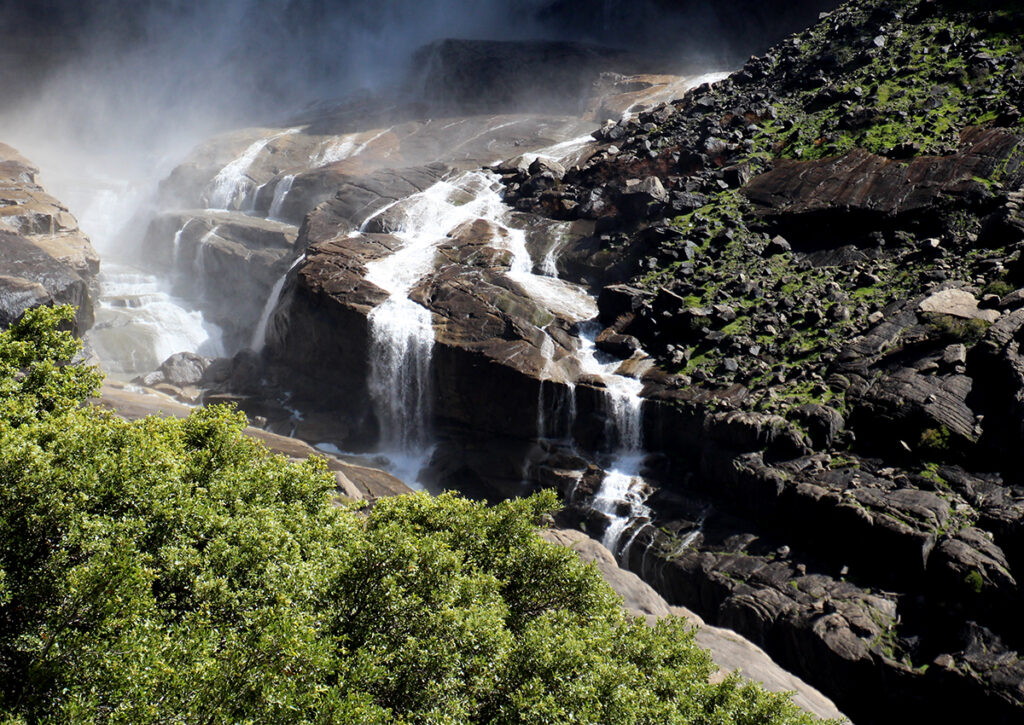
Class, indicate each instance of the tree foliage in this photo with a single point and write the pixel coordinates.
(169, 570)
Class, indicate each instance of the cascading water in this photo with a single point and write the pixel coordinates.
(139, 322)
(139, 325)
(401, 331)
(344, 148)
(259, 335)
(231, 185)
(623, 491)
(280, 194)
(199, 262)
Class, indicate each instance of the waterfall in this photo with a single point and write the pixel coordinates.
(176, 249)
(233, 180)
(199, 263)
(259, 335)
(401, 330)
(280, 194)
(549, 265)
(547, 351)
(623, 491)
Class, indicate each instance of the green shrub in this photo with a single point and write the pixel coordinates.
(974, 581)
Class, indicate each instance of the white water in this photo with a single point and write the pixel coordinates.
(231, 184)
(199, 262)
(549, 265)
(176, 248)
(139, 324)
(280, 194)
(623, 491)
(344, 147)
(561, 298)
(259, 335)
(401, 330)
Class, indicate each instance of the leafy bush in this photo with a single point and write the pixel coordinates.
(170, 570)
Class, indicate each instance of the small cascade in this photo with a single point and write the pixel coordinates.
(259, 334)
(176, 249)
(280, 194)
(547, 351)
(335, 151)
(401, 330)
(549, 264)
(623, 491)
(199, 262)
(343, 148)
(566, 300)
(233, 180)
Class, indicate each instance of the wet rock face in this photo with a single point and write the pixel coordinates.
(46, 259)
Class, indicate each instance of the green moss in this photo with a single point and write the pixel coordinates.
(935, 439)
(931, 472)
(998, 287)
(974, 580)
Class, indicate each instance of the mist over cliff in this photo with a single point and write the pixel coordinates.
(204, 60)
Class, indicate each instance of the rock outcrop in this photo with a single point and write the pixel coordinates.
(44, 257)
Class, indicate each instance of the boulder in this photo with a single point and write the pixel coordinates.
(957, 303)
(184, 368)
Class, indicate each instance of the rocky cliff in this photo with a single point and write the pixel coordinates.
(822, 251)
(44, 257)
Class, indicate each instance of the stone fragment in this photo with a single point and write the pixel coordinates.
(957, 303)
(778, 245)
